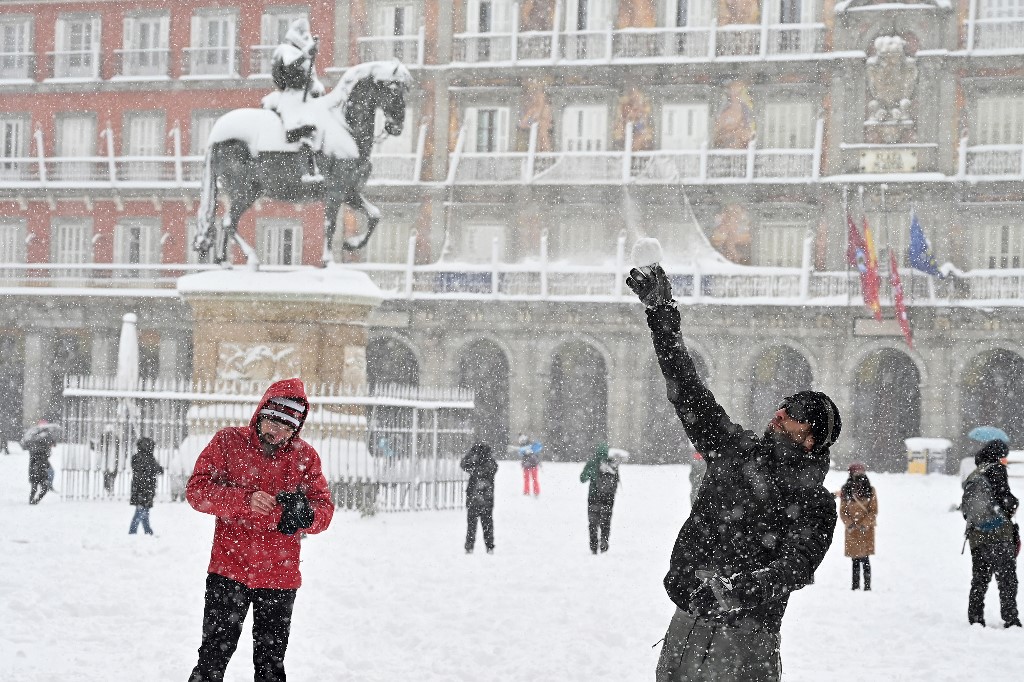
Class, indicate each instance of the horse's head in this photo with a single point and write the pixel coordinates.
(390, 86)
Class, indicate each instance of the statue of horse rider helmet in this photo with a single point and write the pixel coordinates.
(295, 78)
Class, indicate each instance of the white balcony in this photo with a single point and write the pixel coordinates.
(995, 35)
(75, 64)
(142, 64)
(408, 49)
(17, 66)
(209, 62)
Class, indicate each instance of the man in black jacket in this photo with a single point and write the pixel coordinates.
(480, 465)
(994, 547)
(760, 525)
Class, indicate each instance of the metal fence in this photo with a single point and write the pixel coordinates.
(385, 448)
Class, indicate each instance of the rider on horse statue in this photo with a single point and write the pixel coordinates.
(296, 81)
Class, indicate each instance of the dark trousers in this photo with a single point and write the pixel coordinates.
(486, 516)
(1000, 559)
(864, 562)
(37, 491)
(599, 518)
(227, 603)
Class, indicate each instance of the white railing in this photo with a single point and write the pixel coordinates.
(698, 166)
(408, 49)
(1002, 35)
(142, 63)
(74, 64)
(17, 66)
(210, 62)
(991, 160)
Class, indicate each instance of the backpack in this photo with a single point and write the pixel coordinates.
(978, 505)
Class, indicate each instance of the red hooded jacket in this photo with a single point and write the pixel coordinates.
(247, 547)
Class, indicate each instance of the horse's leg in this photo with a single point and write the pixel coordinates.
(240, 203)
(332, 207)
(372, 218)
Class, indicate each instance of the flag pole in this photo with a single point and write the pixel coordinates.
(885, 222)
(846, 220)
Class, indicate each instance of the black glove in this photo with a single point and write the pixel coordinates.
(296, 512)
(650, 284)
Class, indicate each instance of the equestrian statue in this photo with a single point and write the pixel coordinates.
(304, 145)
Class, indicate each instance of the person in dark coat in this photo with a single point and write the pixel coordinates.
(39, 441)
(994, 550)
(760, 526)
(145, 469)
(858, 508)
(480, 465)
(602, 471)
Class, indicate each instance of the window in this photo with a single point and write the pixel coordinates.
(584, 128)
(136, 241)
(12, 244)
(487, 129)
(274, 26)
(213, 45)
(396, 21)
(390, 243)
(689, 13)
(145, 45)
(1000, 120)
(144, 137)
(999, 246)
(281, 241)
(489, 16)
(16, 56)
(78, 47)
(1001, 9)
(76, 145)
(787, 125)
(684, 126)
(477, 242)
(389, 144)
(199, 133)
(587, 15)
(780, 243)
(578, 240)
(13, 146)
(71, 242)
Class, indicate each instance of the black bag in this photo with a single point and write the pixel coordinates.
(978, 505)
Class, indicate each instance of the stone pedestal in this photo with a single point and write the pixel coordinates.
(262, 326)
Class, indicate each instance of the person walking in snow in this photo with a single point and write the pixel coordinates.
(39, 441)
(145, 469)
(479, 463)
(760, 526)
(529, 457)
(602, 472)
(291, 68)
(264, 484)
(988, 507)
(858, 509)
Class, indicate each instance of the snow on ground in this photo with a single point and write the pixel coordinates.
(394, 597)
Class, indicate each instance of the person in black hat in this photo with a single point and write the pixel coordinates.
(760, 525)
(145, 469)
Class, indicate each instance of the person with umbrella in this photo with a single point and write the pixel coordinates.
(39, 441)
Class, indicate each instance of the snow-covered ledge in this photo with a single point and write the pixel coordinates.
(336, 284)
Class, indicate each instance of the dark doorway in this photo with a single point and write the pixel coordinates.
(391, 362)
(484, 369)
(69, 359)
(578, 407)
(778, 373)
(886, 410)
(12, 382)
(663, 438)
(991, 395)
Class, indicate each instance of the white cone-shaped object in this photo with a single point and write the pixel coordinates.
(128, 352)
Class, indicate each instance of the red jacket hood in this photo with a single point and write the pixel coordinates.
(286, 388)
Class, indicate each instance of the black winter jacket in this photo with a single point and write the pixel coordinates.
(145, 469)
(762, 505)
(481, 467)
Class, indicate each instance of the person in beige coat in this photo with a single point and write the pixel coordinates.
(858, 509)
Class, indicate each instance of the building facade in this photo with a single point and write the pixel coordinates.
(541, 139)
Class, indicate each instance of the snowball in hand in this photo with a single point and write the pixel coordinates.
(646, 251)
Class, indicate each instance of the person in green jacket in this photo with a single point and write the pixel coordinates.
(602, 471)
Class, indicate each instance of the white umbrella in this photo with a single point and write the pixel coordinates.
(128, 353)
(127, 411)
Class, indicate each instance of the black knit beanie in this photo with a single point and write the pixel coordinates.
(822, 415)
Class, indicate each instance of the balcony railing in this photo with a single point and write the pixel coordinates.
(698, 166)
(16, 66)
(408, 49)
(997, 35)
(210, 62)
(148, 63)
(991, 161)
(632, 44)
(75, 64)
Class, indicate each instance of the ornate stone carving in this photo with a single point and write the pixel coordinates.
(257, 362)
(891, 80)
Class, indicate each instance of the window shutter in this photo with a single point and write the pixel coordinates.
(95, 37)
(268, 22)
(473, 16)
(165, 30)
(197, 39)
(128, 37)
(502, 18)
(60, 36)
(469, 125)
(502, 131)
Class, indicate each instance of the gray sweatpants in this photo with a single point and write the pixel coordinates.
(698, 650)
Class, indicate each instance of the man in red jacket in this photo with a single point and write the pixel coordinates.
(264, 484)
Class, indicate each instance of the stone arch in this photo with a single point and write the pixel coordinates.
(778, 371)
(577, 414)
(886, 409)
(991, 392)
(483, 367)
(663, 438)
(391, 360)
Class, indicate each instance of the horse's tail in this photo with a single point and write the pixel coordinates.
(206, 217)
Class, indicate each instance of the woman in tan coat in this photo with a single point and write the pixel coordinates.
(858, 509)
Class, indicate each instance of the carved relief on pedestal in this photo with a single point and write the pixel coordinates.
(891, 82)
(257, 362)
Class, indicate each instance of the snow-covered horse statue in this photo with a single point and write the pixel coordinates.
(248, 157)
